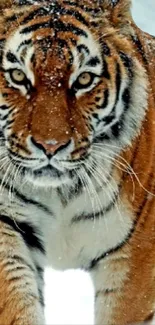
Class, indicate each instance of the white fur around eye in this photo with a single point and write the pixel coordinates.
(12, 45)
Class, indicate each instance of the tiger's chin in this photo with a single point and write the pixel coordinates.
(48, 177)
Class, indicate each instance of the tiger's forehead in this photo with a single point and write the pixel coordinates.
(51, 49)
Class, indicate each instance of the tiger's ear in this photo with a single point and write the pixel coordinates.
(118, 11)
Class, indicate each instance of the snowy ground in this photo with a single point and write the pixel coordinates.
(69, 295)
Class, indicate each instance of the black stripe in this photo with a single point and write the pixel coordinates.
(118, 82)
(35, 27)
(16, 258)
(33, 202)
(139, 46)
(63, 11)
(12, 141)
(95, 261)
(2, 136)
(4, 117)
(12, 18)
(40, 272)
(127, 61)
(105, 102)
(58, 10)
(93, 62)
(3, 107)
(26, 42)
(97, 215)
(55, 10)
(105, 292)
(27, 200)
(2, 41)
(11, 57)
(5, 95)
(117, 127)
(9, 122)
(108, 119)
(19, 146)
(34, 14)
(82, 47)
(59, 26)
(83, 7)
(96, 116)
(97, 99)
(41, 298)
(73, 41)
(93, 216)
(30, 234)
(105, 49)
(105, 72)
(106, 97)
(126, 98)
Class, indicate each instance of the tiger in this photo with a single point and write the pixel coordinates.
(77, 155)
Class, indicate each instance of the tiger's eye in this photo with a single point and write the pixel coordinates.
(18, 76)
(85, 79)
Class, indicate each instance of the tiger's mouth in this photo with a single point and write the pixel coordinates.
(46, 176)
(53, 170)
(49, 175)
(48, 171)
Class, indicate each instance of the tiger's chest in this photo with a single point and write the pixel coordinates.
(86, 229)
(74, 233)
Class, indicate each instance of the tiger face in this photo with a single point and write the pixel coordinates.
(73, 93)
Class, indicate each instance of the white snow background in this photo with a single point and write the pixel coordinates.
(69, 295)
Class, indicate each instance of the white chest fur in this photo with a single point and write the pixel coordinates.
(71, 241)
(75, 244)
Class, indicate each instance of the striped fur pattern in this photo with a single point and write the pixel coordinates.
(77, 148)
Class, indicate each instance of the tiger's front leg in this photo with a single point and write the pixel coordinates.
(20, 292)
(124, 290)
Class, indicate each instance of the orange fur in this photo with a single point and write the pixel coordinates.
(18, 303)
(135, 301)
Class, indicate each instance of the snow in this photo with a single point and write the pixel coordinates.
(69, 295)
(69, 298)
(144, 14)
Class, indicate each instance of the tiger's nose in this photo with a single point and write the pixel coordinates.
(50, 147)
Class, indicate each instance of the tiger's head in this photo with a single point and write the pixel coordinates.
(72, 91)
